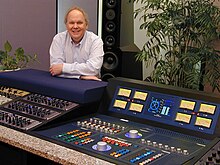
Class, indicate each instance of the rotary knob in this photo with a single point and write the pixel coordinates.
(101, 146)
(133, 134)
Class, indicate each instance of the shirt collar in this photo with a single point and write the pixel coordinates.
(82, 40)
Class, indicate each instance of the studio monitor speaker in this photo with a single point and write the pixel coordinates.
(118, 38)
(111, 24)
(111, 38)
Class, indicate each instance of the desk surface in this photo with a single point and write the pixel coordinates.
(47, 149)
(38, 81)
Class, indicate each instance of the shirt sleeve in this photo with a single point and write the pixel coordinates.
(56, 51)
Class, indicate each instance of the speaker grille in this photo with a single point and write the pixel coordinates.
(111, 61)
(111, 38)
(110, 3)
(111, 24)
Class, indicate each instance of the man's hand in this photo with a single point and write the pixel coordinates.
(90, 78)
(56, 69)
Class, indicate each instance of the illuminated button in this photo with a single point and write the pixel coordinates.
(143, 141)
(172, 149)
(166, 147)
(113, 153)
(185, 152)
(78, 123)
(178, 150)
(148, 142)
(154, 144)
(160, 145)
(106, 130)
(92, 126)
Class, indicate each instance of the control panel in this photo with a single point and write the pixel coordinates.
(125, 142)
(142, 123)
(24, 111)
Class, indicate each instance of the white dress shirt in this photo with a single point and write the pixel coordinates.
(84, 58)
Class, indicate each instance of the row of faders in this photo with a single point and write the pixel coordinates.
(7, 94)
(11, 119)
(24, 110)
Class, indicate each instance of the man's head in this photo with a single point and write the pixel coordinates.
(76, 21)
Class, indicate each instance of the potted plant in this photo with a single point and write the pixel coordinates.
(180, 34)
(18, 60)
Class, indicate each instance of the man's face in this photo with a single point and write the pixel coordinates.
(76, 25)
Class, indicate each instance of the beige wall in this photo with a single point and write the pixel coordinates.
(30, 24)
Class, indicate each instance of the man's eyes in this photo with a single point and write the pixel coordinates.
(78, 23)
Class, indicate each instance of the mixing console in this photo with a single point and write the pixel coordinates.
(141, 123)
(25, 111)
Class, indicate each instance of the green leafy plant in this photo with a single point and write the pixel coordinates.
(14, 61)
(179, 45)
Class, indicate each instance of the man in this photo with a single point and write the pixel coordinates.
(76, 52)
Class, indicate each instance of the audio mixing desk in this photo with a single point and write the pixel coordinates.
(30, 99)
(142, 123)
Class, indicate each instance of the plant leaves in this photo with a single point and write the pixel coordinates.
(7, 46)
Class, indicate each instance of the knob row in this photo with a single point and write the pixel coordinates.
(165, 147)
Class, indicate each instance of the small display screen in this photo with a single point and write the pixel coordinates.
(136, 107)
(185, 104)
(206, 108)
(204, 122)
(182, 117)
(120, 104)
(140, 95)
(124, 92)
(160, 106)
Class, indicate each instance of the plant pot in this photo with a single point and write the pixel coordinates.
(7, 70)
